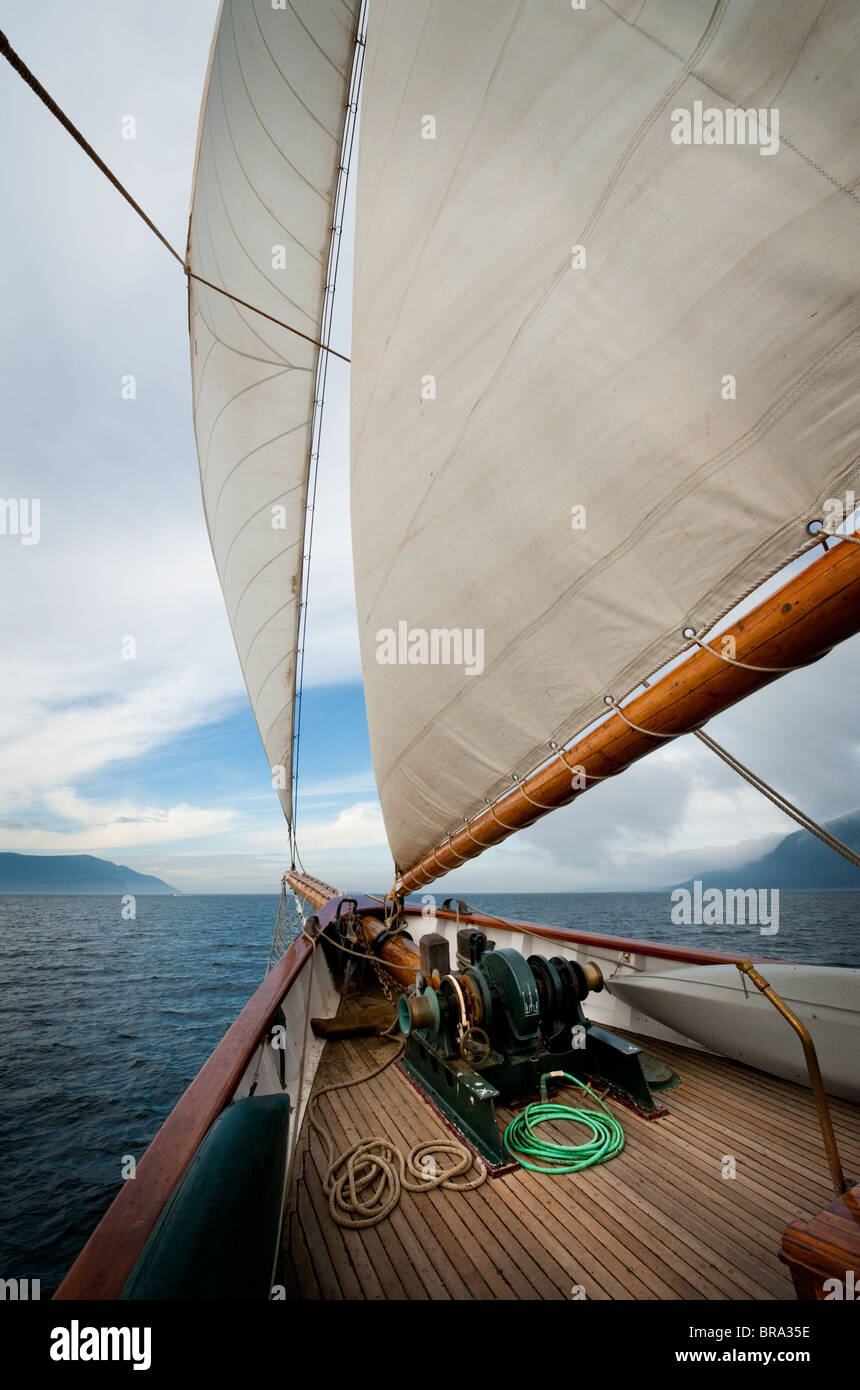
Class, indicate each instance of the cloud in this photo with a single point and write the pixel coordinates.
(100, 826)
(356, 827)
(124, 550)
(339, 786)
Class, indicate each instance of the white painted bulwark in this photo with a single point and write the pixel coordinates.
(726, 1014)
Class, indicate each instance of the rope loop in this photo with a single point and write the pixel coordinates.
(365, 1182)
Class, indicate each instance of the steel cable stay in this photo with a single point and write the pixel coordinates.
(805, 821)
(322, 344)
(20, 67)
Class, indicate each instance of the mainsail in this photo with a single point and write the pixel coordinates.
(604, 358)
(262, 221)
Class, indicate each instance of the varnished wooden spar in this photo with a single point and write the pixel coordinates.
(399, 956)
(799, 623)
(313, 890)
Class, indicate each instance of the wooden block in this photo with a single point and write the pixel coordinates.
(824, 1248)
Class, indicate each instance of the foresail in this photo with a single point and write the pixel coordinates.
(604, 358)
(261, 228)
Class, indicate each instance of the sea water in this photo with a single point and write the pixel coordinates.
(104, 1022)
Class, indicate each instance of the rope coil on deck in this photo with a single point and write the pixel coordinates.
(379, 1165)
(364, 1183)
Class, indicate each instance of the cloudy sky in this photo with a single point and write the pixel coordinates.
(155, 761)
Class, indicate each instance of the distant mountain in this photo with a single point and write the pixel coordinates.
(800, 861)
(73, 873)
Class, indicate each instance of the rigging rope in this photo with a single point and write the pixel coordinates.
(320, 379)
(376, 1162)
(284, 933)
(364, 1183)
(780, 801)
(18, 65)
(748, 666)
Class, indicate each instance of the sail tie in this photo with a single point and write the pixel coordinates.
(449, 846)
(651, 733)
(575, 769)
(500, 823)
(481, 843)
(436, 857)
(377, 1164)
(748, 666)
(540, 805)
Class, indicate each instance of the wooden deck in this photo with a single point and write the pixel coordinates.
(657, 1222)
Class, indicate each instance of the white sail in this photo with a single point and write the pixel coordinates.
(261, 227)
(602, 379)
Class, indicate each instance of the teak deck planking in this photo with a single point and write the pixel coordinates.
(657, 1222)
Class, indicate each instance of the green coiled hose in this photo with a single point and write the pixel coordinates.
(520, 1137)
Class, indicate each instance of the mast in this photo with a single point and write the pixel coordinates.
(797, 625)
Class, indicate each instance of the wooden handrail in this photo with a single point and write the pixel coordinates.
(310, 888)
(800, 622)
(103, 1266)
(684, 955)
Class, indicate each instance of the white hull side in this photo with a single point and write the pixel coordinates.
(726, 1014)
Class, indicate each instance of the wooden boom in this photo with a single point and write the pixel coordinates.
(798, 624)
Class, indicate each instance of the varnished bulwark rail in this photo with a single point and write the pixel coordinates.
(107, 1259)
(311, 889)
